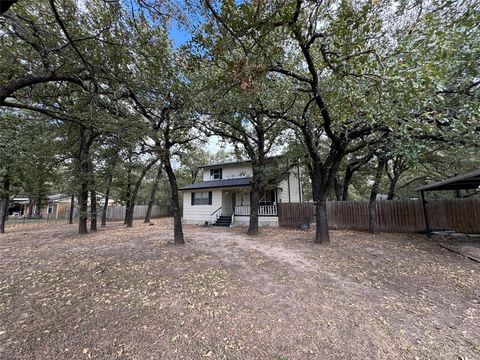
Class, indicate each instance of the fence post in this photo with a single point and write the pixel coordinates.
(425, 213)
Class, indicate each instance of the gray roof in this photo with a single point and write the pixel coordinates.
(19, 198)
(234, 162)
(244, 181)
(469, 180)
(57, 197)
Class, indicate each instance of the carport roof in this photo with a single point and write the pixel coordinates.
(469, 180)
(224, 183)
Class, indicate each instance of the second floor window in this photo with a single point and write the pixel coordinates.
(216, 174)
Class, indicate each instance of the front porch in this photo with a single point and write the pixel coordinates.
(228, 206)
(236, 208)
(263, 210)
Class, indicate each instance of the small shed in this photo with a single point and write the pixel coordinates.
(466, 181)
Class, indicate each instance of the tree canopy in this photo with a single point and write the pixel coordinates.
(97, 97)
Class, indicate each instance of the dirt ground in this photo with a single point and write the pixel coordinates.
(131, 294)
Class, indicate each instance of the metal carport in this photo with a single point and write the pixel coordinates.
(466, 181)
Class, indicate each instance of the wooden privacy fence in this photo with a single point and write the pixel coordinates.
(462, 215)
(139, 212)
(295, 214)
(115, 213)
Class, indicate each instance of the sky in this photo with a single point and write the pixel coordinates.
(178, 35)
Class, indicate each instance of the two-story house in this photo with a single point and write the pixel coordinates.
(223, 197)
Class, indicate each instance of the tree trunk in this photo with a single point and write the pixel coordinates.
(254, 203)
(177, 217)
(72, 208)
(83, 177)
(128, 194)
(258, 186)
(4, 202)
(38, 207)
(93, 198)
(322, 184)
(134, 194)
(391, 189)
(320, 192)
(107, 199)
(152, 195)
(30, 207)
(93, 210)
(322, 235)
(372, 204)
(346, 183)
(337, 188)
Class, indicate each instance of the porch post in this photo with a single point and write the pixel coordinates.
(425, 214)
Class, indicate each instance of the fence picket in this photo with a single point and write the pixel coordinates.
(395, 216)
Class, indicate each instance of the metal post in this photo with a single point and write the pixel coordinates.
(425, 214)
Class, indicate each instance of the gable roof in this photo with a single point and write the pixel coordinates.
(237, 162)
(56, 197)
(469, 180)
(243, 181)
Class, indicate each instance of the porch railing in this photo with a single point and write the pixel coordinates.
(216, 214)
(263, 210)
(242, 210)
(267, 210)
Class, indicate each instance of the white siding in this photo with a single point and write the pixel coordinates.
(198, 214)
(262, 221)
(293, 188)
(230, 171)
(283, 191)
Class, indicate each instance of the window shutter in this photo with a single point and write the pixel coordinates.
(193, 194)
(272, 199)
(221, 177)
(209, 198)
(211, 172)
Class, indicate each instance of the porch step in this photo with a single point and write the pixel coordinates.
(223, 221)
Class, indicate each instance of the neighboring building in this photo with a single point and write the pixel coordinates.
(16, 206)
(57, 206)
(223, 197)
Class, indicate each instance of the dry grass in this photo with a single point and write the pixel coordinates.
(130, 294)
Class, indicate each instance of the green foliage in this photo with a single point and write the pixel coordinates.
(400, 79)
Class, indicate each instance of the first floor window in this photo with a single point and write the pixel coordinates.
(202, 198)
(50, 208)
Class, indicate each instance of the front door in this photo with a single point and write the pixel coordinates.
(233, 201)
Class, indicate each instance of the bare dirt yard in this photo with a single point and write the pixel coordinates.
(131, 294)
